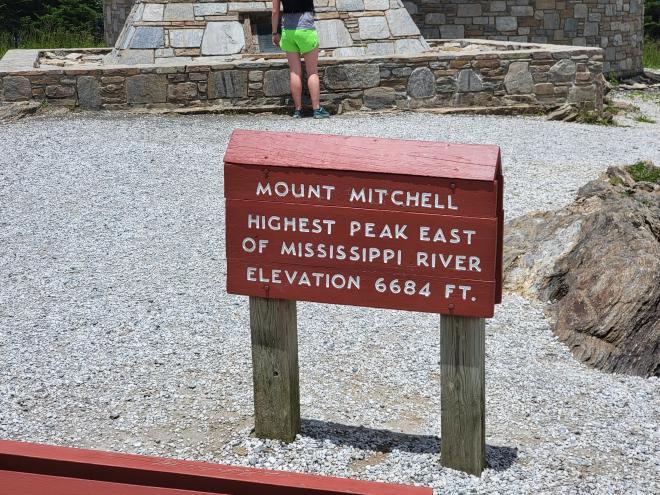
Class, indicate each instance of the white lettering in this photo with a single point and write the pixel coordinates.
(261, 189)
(355, 196)
(249, 245)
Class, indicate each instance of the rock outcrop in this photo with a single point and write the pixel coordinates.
(597, 264)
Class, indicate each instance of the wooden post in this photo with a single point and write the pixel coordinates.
(463, 397)
(273, 325)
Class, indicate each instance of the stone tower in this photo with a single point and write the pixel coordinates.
(616, 26)
(115, 13)
(181, 30)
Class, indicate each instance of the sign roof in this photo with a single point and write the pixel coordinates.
(364, 154)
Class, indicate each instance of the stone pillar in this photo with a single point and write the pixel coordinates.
(115, 13)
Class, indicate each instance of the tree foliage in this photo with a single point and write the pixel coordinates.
(652, 19)
(79, 16)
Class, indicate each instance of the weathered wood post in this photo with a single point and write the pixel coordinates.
(369, 222)
(275, 368)
(463, 393)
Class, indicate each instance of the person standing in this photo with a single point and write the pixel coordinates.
(299, 38)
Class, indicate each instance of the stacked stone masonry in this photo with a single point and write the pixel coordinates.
(180, 29)
(614, 25)
(479, 74)
(115, 13)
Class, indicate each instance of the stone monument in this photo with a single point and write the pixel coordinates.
(180, 31)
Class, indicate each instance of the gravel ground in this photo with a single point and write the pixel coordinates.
(116, 331)
(647, 103)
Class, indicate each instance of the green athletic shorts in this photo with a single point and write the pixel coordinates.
(299, 40)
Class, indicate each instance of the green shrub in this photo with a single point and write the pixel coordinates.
(644, 171)
(50, 24)
(652, 19)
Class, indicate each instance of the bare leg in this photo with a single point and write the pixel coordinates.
(295, 78)
(313, 84)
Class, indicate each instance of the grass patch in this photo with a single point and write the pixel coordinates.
(586, 116)
(645, 119)
(614, 80)
(591, 117)
(49, 39)
(644, 172)
(652, 53)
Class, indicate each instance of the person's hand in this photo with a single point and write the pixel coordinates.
(276, 39)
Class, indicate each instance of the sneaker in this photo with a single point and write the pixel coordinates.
(321, 113)
(297, 114)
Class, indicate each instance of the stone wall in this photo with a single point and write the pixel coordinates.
(614, 25)
(115, 13)
(185, 29)
(503, 75)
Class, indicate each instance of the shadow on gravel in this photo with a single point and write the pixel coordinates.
(498, 458)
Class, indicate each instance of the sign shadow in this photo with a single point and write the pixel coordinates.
(499, 458)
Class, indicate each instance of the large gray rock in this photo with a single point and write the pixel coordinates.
(582, 94)
(276, 82)
(350, 51)
(186, 38)
(89, 93)
(591, 29)
(373, 28)
(386, 48)
(563, 71)
(227, 84)
(17, 88)
(472, 9)
(518, 79)
(580, 10)
(223, 38)
(352, 76)
(379, 98)
(182, 92)
(421, 83)
(376, 4)
(153, 12)
(597, 262)
(506, 23)
(551, 20)
(215, 8)
(468, 81)
(452, 31)
(11, 112)
(148, 37)
(132, 57)
(146, 88)
(332, 33)
(409, 46)
(179, 12)
(350, 5)
(401, 24)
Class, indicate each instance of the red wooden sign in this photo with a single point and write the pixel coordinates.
(33, 469)
(363, 221)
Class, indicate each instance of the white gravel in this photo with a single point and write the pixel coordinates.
(116, 331)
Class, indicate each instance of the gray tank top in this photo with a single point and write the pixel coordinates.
(298, 20)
